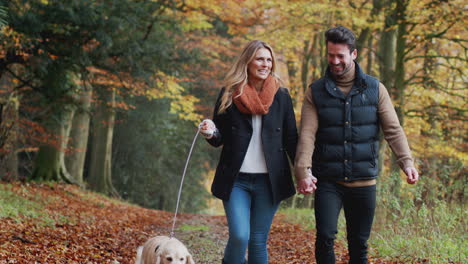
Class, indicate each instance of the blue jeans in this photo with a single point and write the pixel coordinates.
(249, 212)
(359, 207)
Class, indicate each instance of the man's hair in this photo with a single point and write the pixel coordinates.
(341, 35)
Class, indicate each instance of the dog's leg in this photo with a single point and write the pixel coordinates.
(190, 259)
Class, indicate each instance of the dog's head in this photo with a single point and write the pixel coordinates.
(173, 252)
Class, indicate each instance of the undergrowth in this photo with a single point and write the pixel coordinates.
(22, 205)
(18, 207)
(437, 234)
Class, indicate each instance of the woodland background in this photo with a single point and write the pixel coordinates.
(107, 94)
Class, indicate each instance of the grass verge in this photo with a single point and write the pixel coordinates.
(18, 207)
(437, 234)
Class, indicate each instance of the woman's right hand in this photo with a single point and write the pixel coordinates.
(307, 185)
(207, 128)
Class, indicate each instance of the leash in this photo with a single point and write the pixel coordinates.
(182, 183)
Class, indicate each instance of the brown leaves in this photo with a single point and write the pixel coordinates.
(290, 244)
(86, 228)
(83, 227)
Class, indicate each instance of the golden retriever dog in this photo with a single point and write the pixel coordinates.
(163, 250)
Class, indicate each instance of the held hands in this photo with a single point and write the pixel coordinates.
(308, 184)
(207, 128)
(412, 175)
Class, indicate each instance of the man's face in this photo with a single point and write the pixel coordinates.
(340, 58)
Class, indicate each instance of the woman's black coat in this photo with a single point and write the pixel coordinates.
(279, 138)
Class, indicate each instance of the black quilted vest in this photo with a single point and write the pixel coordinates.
(347, 140)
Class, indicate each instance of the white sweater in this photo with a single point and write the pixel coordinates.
(254, 161)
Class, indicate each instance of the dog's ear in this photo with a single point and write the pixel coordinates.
(139, 255)
(158, 258)
(190, 259)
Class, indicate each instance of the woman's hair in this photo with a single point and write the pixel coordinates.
(237, 76)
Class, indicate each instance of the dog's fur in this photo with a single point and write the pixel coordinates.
(163, 250)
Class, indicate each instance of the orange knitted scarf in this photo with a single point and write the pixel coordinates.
(256, 103)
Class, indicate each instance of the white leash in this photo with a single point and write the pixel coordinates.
(182, 182)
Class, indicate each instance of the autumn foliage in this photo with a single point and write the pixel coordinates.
(108, 96)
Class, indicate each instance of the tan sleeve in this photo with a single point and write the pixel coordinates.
(306, 144)
(392, 130)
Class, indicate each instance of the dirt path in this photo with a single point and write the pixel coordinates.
(287, 243)
(206, 237)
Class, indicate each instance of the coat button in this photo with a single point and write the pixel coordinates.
(278, 129)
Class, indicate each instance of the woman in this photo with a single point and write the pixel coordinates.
(254, 122)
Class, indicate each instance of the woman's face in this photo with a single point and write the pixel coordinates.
(260, 67)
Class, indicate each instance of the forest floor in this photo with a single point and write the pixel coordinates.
(64, 224)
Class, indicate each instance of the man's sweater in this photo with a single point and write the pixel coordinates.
(389, 122)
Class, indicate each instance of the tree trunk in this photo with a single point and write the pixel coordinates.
(293, 202)
(307, 50)
(388, 68)
(323, 54)
(315, 60)
(361, 42)
(79, 137)
(387, 51)
(100, 177)
(387, 54)
(370, 56)
(365, 39)
(9, 120)
(400, 83)
(8, 136)
(49, 163)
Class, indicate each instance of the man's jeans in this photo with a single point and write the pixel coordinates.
(249, 211)
(359, 207)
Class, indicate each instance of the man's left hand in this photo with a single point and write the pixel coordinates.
(412, 175)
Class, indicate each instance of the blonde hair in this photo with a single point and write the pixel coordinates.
(237, 76)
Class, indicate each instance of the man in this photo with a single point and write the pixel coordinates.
(337, 153)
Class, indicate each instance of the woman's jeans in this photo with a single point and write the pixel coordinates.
(359, 207)
(249, 211)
